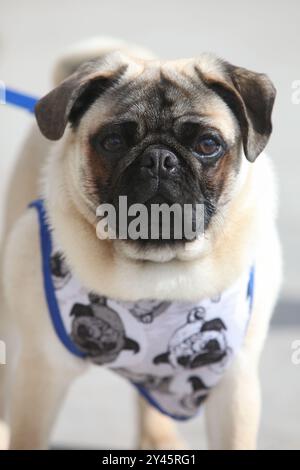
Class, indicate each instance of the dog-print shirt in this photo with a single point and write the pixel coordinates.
(173, 352)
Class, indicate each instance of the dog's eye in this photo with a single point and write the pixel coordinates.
(113, 142)
(208, 146)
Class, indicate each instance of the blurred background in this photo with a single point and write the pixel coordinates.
(262, 35)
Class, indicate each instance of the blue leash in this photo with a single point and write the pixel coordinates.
(20, 100)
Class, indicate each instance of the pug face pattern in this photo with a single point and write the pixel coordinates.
(198, 343)
(98, 331)
(173, 352)
(129, 338)
(59, 269)
(147, 310)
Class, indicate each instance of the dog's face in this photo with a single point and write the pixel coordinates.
(59, 270)
(160, 132)
(197, 343)
(98, 331)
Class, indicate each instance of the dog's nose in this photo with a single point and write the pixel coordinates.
(159, 162)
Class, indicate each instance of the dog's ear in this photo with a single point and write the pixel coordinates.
(197, 383)
(161, 358)
(250, 96)
(80, 310)
(131, 345)
(69, 100)
(216, 324)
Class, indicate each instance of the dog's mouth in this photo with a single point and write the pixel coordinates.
(207, 358)
(211, 355)
(94, 348)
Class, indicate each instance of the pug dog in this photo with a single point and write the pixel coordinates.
(121, 122)
(59, 270)
(147, 311)
(191, 350)
(98, 331)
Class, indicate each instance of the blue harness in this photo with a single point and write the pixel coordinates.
(15, 98)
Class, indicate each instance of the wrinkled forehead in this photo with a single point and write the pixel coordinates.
(158, 95)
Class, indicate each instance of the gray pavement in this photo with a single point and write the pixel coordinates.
(258, 34)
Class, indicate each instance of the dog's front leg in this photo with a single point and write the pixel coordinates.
(37, 393)
(233, 408)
